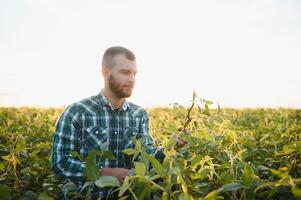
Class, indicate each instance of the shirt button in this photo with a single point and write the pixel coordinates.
(115, 132)
(96, 131)
(115, 151)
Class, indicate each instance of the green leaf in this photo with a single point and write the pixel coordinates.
(129, 151)
(171, 142)
(226, 177)
(125, 186)
(29, 195)
(144, 159)
(170, 130)
(44, 196)
(289, 149)
(278, 173)
(34, 153)
(157, 165)
(248, 176)
(140, 168)
(2, 166)
(143, 189)
(26, 170)
(68, 187)
(138, 146)
(91, 171)
(196, 160)
(174, 170)
(296, 191)
(107, 181)
(126, 197)
(87, 185)
(204, 171)
(225, 188)
(4, 192)
(75, 154)
(180, 180)
(262, 168)
(213, 195)
(104, 146)
(206, 111)
(207, 101)
(108, 154)
(7, 157)
(230, 187)
(21, 144)
(131, 172)
(185, 196)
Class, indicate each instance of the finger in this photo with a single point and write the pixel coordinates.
(180, 141)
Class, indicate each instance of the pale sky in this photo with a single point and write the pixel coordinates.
(239, 53)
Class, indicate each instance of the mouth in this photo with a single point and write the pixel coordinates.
(129, 86)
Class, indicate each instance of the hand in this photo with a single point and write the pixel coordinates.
(119, 173)
(180, 143)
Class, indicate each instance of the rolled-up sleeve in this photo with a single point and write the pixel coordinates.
(66, 139)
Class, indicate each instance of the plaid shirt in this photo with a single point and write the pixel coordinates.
(87, 124)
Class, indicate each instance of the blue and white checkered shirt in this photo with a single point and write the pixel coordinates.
(87, 124)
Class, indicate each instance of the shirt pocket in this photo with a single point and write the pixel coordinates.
(129, 134)
(94, 137)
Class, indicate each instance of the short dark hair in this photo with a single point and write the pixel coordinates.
(110, 54)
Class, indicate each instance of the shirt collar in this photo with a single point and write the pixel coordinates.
(105, 102)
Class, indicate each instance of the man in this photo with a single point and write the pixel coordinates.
(106, 117)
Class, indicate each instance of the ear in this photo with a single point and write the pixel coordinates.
(105, 72)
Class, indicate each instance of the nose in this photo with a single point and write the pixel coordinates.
(132, 77)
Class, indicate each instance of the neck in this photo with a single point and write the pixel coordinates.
(115, 101)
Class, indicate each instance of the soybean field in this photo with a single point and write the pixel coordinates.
(230, 154)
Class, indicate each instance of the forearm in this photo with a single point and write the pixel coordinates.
(106, 171)
(68, 167)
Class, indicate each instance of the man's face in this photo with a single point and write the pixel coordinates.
(122, 77)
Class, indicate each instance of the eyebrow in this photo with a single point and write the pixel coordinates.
(126, 70)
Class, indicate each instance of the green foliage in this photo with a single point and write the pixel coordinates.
(230, 154)
(107, 181)
(91, 171)
(25, 146)
(4, 192)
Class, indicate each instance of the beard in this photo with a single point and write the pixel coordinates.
(118, 89)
